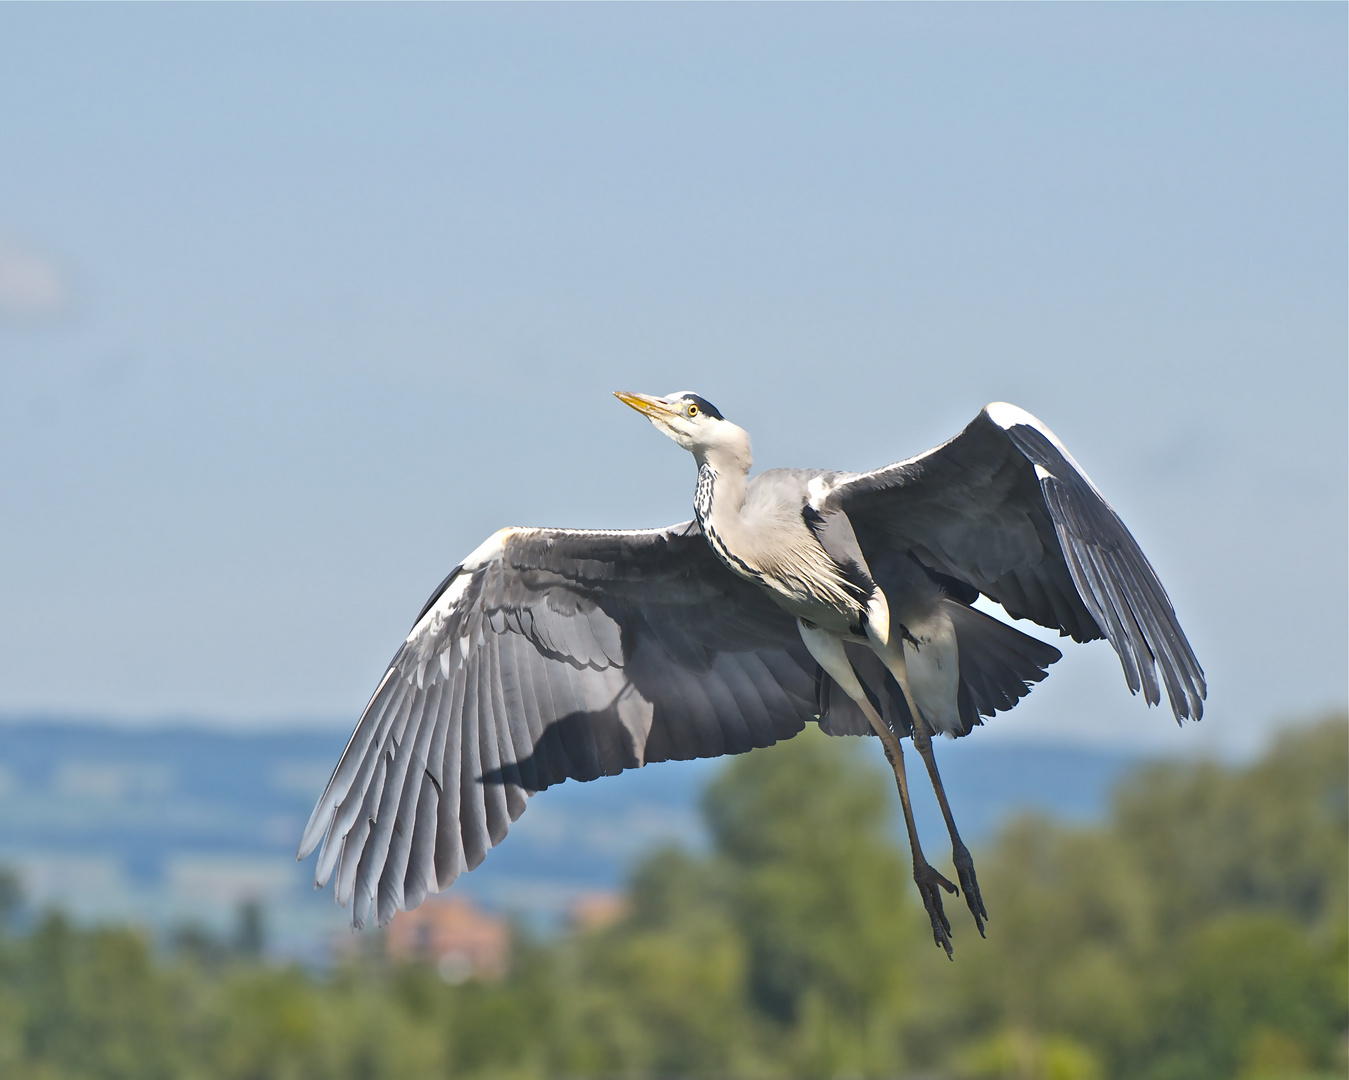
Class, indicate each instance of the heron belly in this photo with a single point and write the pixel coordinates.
(846, 621)
(933, 663)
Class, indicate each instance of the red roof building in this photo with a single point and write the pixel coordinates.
(454, 935)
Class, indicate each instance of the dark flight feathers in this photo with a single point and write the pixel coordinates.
(1003, 508)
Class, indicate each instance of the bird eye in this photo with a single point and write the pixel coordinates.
(692, 410)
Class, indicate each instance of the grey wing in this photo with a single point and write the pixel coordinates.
(548, 655)
(1004, 508)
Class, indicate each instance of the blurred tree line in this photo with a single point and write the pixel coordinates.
(1201, 933)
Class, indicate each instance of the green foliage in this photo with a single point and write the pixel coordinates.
(1273, 837)
(1201, 934)
(92, 1004)
(1252, 989)
(815, 882)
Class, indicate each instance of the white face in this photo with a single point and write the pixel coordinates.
(688, 419)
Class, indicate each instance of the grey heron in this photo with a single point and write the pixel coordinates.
(799, 596)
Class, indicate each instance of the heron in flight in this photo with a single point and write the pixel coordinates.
(800, 596)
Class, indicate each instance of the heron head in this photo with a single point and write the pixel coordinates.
(693, 422)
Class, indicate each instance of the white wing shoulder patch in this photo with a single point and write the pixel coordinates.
(1009, 416)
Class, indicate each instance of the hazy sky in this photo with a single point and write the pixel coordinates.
(299, 303)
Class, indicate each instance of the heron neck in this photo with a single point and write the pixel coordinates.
(720, 497)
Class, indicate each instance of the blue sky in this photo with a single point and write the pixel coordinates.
(299, 303)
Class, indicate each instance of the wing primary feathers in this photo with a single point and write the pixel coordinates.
(348, 765)
(493, 765)
(349, 809)
(1110, 569)
(450, 858)
(1144, 659)
(369, 875)
(394, 871)
(512, 727)
(472, 809)
(522, 709)
(354, 850)
(420, 877)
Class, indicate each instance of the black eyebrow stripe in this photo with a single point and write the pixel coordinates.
(705, 405)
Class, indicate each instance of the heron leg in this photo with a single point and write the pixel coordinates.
(893, 658)
(828, 651)
(960, 854)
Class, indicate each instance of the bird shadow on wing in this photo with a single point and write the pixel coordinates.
(740, 702)
(582, 745)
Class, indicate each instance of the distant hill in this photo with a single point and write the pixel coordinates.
(170, 826)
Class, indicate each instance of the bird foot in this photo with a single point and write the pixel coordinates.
(930, 883)
(969, 884)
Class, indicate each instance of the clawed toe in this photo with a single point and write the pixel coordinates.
(930, 883)
(969, 884)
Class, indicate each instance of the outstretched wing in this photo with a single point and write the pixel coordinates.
(548, 655)
(1003, 507)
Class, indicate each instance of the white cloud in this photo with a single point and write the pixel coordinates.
(30, 285)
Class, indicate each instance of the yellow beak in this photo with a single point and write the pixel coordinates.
(646, 404)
